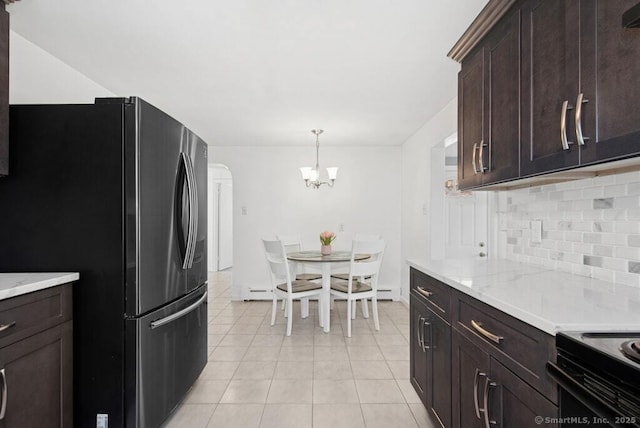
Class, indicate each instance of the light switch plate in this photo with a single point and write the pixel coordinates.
(536, 231)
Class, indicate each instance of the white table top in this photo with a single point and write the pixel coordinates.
(549, 300)
(15, 284)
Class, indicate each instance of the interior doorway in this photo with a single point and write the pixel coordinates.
(459, 220)
(220, 208)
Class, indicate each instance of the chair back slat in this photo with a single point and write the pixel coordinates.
(370, 266)
(278, 264)
(292, 243)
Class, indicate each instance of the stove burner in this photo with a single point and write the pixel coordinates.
(631, 350)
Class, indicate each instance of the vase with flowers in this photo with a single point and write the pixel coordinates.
(326, 238)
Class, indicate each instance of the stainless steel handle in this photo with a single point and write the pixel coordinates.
(4, 327)
(5, 391)
(194, 182)
(426, 323)
(563, 125)
(492, 337)
(477, 408)
(481, 156)
(581, 138)
(473, 158)
(485, 396)
(188, 256)
(179, 314)
(418, 329)
(424, 292)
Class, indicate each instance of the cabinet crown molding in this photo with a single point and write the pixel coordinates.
(486, 19)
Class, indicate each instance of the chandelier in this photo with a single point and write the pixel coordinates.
(310, 175)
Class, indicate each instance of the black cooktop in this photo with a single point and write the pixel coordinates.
(616, 353)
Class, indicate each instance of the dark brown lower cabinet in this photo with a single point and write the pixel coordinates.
(36, 359)
(486, 393)
(36, 377)
(430, 361)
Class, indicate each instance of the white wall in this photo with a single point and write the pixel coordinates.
(35, 76)
(416, 187)
(267, 183)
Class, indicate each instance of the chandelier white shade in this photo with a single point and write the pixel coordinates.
(311, 175)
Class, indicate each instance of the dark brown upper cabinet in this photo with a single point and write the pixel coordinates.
(488, 101)
(558, 89)
(4, 91)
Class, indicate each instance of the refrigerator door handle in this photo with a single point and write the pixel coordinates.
(193, 210)
(179, 314)
(187, 168)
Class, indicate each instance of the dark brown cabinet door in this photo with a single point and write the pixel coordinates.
(471, 118)
(502, 154)
(550, 74)
(610, 81)
(438, 339)
(37, 375)
(4, 91)
(513, 403)
(470, 368)
(418, 355)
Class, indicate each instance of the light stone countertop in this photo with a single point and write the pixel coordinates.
(549, 300)
(15, 284)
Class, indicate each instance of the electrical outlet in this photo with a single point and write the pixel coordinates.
(341, 227)
(243, 210)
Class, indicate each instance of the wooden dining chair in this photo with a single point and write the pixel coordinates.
(353, 289)
(286, 288)
(345, 276)
(292, 244)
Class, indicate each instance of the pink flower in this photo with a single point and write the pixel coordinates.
(327, 237)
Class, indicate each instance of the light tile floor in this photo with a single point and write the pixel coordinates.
(258, 377)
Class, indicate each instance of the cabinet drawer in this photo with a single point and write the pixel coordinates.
(436, 294)
(26, 315)
(521, 347)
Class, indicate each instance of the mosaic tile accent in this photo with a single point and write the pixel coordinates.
(590, 227)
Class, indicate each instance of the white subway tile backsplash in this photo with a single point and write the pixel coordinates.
(590, 227)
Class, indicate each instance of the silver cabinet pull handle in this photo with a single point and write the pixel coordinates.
(3, 406)
(581, 138)
(481, 156)
(4, 327)
(473, 158)
(476, 378)
(563, 125)
(418, 322)
(424, 292)
(485, 396)
(426, 323)
(492, 337)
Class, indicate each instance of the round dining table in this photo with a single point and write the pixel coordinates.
(336, 259)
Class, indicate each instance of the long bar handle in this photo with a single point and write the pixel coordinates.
(418, 329)
(4, 327)
(424, 292)
(193, 210)
(426, 323)
(5, 391)
(492, 337)
(473, 158)
(477, 408)
(581, 138)
(563, 125)
(481, 156)
(179, 314)
(485, 398)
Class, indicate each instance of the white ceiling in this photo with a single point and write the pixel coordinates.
(265, 72)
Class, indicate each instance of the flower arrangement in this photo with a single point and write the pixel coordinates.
(326, 237)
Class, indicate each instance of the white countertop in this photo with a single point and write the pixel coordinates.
(15, 284)
(549, 300)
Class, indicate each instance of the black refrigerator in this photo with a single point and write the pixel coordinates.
(115, 190)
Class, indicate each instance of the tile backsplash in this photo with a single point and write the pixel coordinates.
(590, 227)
